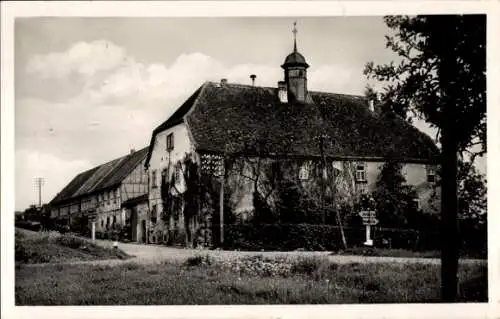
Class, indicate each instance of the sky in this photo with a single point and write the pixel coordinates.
(87, 90)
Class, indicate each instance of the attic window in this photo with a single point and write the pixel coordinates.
(360, 173)
(431, 174)
(170, 142)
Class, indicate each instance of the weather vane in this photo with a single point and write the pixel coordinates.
(294, 36)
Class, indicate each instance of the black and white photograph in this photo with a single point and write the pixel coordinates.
(249, 160)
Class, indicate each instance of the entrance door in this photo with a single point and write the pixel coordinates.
(143, 231)
(134, 224)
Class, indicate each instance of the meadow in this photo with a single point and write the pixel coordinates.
(201, 280)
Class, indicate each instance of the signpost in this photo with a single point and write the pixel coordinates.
(369, 219)
(93, 219)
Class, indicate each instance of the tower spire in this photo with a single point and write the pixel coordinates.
(294, 36)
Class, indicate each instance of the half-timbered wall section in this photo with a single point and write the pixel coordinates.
(102, 190)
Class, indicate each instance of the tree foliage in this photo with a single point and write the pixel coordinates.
(394, 199)
(413, 87)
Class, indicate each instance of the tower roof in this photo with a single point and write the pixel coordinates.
(295, 59)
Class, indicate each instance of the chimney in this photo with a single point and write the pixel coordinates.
(282, 92)
(132, 150)
(253, 76)
(223, 81)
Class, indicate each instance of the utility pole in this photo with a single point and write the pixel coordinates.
(39, 182)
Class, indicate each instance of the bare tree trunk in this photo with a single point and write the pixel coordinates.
(449, 164)
(449, 212)
(339, 221)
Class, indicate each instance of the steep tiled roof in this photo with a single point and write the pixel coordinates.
(101, 177)
(252, 120)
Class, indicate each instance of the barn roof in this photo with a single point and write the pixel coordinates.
(101, 177)
(251, 120)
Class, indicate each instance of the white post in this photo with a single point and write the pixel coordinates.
(93, 230)
(368, 242)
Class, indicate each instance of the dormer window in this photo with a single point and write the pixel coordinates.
(360, 173)
(170, 142)
(431, 174)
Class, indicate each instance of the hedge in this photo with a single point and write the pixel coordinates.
(284, 237)
(312, 237)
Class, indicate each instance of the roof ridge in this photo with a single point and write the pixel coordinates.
(117, 158)
(249, 86)
(341, 94)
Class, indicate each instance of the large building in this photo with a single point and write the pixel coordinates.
(105, 190)
(277, 124)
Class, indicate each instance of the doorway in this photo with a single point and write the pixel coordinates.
(143, 232)
(134, 224)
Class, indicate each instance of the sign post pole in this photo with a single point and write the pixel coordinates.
(93, 229)
(369, 241)
(369, 219)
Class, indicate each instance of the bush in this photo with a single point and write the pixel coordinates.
(71, 241)
(199, 261)
(283, 237)
(30, 225)
(306, 265)
(258, 266)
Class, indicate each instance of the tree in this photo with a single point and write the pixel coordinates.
(394, 199)
(440, 78)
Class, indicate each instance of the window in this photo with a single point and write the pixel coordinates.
(415, 204)
(360, 173)
(431, 174)
(170, 142)
(153, 179)
(114, 219)
(105, 196)
(303, 173)
(153, 214)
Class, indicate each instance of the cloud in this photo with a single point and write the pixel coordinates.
(82, 58)
(56, 172)
(337, 78)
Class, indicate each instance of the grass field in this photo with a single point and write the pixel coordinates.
(37, 247)
(305, 281)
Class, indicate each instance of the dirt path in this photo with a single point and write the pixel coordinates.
(151, 254)
(148, 254)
